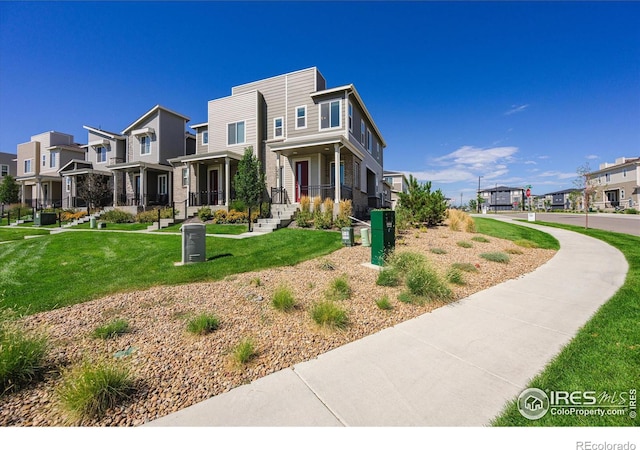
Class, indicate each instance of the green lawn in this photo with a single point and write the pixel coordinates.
(604, 355)
(54, 271)
(504, 230)
(16, 233)
(115, 226)
(213, 228)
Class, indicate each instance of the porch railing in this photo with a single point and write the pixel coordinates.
(279, 196)
(206, 198)
(326, 191)
(116, 160)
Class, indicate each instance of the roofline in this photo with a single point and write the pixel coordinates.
(276, 76)
(635, 161)
(199, 125)
(149, 113)
(109, 134)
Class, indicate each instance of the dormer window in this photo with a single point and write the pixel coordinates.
(145, 145)
(101, 154)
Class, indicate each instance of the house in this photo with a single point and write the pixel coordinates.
(141, 170)
(561, 200)
(310, 139)
(39, 161)
(398, 182)
(502, 198)
(617, 185)
(8, 165)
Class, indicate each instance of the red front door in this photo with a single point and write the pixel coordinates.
(302, 179)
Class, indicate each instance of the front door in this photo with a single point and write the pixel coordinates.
(45, 194)
(136, 190)
(302, 179)
(162, 189)
(213, 187)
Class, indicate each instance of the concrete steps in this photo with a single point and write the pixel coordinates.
(281, 216)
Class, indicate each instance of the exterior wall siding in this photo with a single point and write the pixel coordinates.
(134, 142)
(7, 159)
(172, 140)
(242, 107)
(29, 150)
(200, 147)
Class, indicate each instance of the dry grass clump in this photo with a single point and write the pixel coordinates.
(461, 221)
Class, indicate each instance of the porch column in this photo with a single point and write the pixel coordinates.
(227, 181)
(189, 173)
(115, 188)
(336, 158)
(143, 187)
(170, 186)
(22, 192)
(38, 192)
(278, 171)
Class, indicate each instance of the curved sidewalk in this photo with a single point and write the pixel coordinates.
(455, 366)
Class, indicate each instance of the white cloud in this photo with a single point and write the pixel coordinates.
(593, 157)
(558, 175)
(543, 157)
(478, 157)
(516, 109)
(531, 162)
(443, 176)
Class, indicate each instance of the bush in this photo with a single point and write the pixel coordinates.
(438, 251)
(151, 215)
(21, 357)
(465, 267)
(117, 216)
(425, 282)
(237, 205)
(244, 351)
(70, 215)
(403, 261)
(480, 239)
(204, 213)
(423, 205)
(389, 276)
(203, 324)
(339, 289)
(464, 244)
(345, 210)
(461, 221)
(323, 216)
(384, 303)
(514, 251)
(525, 243)
(219, 216)
(283, 299)
(496, 257)
(455, 276)
(325, 264)
(328, 314)
(88, 391)
(112, 329)
(631, 211)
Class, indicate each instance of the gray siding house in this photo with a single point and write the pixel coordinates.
(617, 185)
(8, 165)
(398, 183)
(311, 141)
(502, 198)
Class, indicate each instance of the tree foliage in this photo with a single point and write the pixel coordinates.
(423, 205)
(249, 181)
(9, 190)
(94, 189)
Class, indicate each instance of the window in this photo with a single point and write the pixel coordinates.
(350, 117)
(52, 159)
(330, 115)
(277, 127)
(67, 183)
(369, 141)
(44, 160)
(333, 173)
(205, 137)
(356, 175)
(362, 132)
(145, 145)
(185, 176)
(301, 117)
(27, 166)
(101, 154)
(5, 170)
(162, 184)
(621, 193)
(607, 177)
(624, 173)
(235, 133)
(377, 149)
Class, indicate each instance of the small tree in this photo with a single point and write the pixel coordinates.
(586, 183)
(249, 181)
(93, 188)
(9, 190)
(423, 205)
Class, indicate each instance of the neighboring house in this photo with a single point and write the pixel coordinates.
(398, 182)
(143, 176)
(8, 165)
(561, 200)
(617, 184)
(311, 140)
(39, 162)
(502, 198)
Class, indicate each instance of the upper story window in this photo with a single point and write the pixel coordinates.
(52, 159)
(330, 115)
(205, 137)
(607, 177)
(350, 117)
(27, 166)
(624, 173)
(4, 170)
(377, 149)
(362, 132)
(145, 145)
(235, 133)
(44, 160)
(277, 127)
(369, 141)
(301, 117)
(101, 154)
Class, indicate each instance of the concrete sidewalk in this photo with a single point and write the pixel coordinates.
(456, 366)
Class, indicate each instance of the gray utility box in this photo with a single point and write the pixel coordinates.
(193, 243)
(44, 218)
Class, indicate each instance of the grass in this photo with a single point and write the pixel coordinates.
(384, 303)
(111, 329)
(212, 228)
(502, 230)
(423, 281)
(438, 251)
(498, 257)
(114, 226)
(244, 352)
(47, 274)
(465, 267)
(329, 314)
(525, 243)
(455, 276)
(339, 289)
(283, 299)
(203, 324)
(605, 353)
(464, 244)
(403, 261)
(514, 251)
(389, 276)
(325, 264)
(14, 234)
(480, 239)
(90, 390)
(21, 357)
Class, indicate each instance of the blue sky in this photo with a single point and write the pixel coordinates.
(517, 93)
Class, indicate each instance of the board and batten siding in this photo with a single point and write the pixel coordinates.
(134, 143)
(172, 137)
(236, 108)
(200, 148)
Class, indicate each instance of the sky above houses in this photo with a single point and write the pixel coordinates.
(517, 93)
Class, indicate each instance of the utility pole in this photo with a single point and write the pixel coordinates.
(478, 196)
(460, 200)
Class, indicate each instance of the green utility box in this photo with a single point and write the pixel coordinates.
(347, 236)
(383, 234)
(44, 218)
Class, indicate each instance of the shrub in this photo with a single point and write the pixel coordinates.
(339, 289)
(423, 205)
(464, 244)
(496, 257)
(438, 251)
(234, 216)
(389, 276)
(465, 267)
(631, 211)
(461, 221)
(325, 264)
(305, 203)
(317, 205)
(525, 243)
(455, 276)
(425, 282)
(403, 261)
(21, 357)
(323, 216)
(328, 314)
(514, 251)
(345, 209)
(237, 205)
(88, 391)
(244, 351)
(112, 329)
(384, 303)
(151, 215)
(219, 216)
(204, 213)
(480, 239)
(117, 216)
(283, 299)
(406, 297)
(203, 324)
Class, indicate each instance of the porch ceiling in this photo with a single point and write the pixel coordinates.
(295, 149)
(215, 158)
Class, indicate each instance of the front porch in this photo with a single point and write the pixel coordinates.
(41, 191)
(142, 184)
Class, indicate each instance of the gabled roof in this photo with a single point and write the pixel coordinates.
(565, 191)
(199, 125)
(105, 133)
(151, 112)
(75, 148)
(501, 188)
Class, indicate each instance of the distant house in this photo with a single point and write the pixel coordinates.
(502, 198)
(8, 165)
(561, 200)
(398, 183)
(39, 162)
(617, 184)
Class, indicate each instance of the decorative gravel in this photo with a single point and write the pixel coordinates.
(175, 369)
